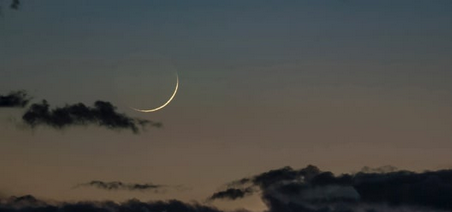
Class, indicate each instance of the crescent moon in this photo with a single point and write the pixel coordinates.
(164, 105)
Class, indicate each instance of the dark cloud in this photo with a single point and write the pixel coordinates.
(102, 114)
(117, 185)
(310, 189)
(15, 99)
(30, 204)
(232, 193)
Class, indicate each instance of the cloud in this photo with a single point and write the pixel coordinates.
(102, 114)
(15, 99)
(117, 185)
(29, 203)
(232, 193)
(287, 190)
(381, 189)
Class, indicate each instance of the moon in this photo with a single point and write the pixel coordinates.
(164, 105)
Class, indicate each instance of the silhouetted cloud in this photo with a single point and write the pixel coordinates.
(15, 99)
(31, 204)
(231, 193)
(117, 185)
(288, 190)
(310, 189)
(102, 114)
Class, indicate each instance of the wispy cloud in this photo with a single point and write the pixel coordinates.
(117, 185)
(102, 114)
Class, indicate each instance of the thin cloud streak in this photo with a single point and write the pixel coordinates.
(118, 185)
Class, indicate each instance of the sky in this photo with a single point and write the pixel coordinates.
(262, 85)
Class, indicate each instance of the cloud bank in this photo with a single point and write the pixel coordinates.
(286, 190)
(29, 203)
(312, 190)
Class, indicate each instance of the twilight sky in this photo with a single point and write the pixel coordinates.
(263, 85)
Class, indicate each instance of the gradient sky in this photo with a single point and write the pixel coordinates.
(263, 84)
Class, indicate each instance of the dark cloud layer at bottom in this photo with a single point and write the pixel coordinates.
(312, 190)
(291, 190)
(30, 204)
(117, 185)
